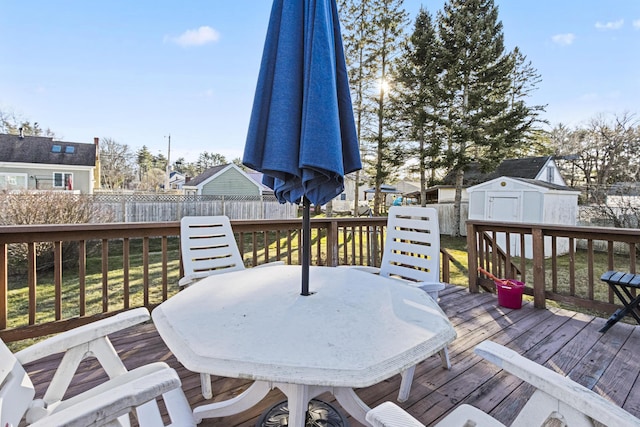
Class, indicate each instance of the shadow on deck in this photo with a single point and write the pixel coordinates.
(564, 341)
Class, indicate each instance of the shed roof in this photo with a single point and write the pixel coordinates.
(530, 182)
(38, 149)
(528, 168)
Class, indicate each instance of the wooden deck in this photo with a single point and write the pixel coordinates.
(564, 341)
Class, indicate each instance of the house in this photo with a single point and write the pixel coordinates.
(344, 201)
(227, 180)
(508, 199)
(40, 163)
(176, 180)
(537, 168)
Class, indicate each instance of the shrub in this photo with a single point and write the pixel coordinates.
(46, 207)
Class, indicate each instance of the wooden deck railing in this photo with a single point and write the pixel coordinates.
(561, 263)
(97, 270)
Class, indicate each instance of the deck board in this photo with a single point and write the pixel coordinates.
(564, 341)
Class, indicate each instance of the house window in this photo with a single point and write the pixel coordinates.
(13, 181)
(550, 173)
(69, 149)
(63, 180)
(56, 148)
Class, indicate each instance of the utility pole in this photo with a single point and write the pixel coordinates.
(168, 168)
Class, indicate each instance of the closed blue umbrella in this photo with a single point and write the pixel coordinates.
(302, 134)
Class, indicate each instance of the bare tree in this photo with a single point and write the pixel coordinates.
(116, 164)
(604, 152)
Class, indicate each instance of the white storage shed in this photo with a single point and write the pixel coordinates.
(526, 201)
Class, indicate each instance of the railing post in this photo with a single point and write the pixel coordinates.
(539, 299)
(472, 258)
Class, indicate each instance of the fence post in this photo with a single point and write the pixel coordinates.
(472, 258)
(539, 300)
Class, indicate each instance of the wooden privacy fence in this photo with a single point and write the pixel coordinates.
(550, 261)
(172, 207)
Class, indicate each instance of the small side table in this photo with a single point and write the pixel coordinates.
(621, 284)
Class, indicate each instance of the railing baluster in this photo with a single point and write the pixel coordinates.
(289, 248)
(125, 272)
(31, 278)
(105, 275)
(507, 258)
(590, 269)
(4, 286)
(165, 267)
(82, 277)
(360, 243)
(57, 279)
(523, 260)
(240, 241)
(145, 269)
(554, 264)
(254, 240)
(572, 267)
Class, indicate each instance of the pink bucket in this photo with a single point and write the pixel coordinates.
(510, 293)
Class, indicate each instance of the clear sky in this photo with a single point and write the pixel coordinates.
(140, 70)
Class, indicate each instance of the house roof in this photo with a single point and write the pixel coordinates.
(624, 189)
(256, 177)
(528, 168)
(197, 180)
(44, 150)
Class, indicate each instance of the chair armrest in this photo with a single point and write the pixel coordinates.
(557, 386)
(388, 414)
(83, 334)
(188, 279)
(101, 408)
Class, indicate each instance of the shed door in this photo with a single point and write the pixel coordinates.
(505, 208)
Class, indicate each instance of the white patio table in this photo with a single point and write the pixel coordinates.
(356, 330)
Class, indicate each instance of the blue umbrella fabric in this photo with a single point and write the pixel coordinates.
(302, 133)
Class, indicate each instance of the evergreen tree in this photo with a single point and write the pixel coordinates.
(144, 159)
(374, 33)
(390, 20)
(483, 121)
(357, 34)
(418, 97)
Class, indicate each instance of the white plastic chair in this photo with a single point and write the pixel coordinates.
(557, 400)
(106, 404)
(208, 247)
(412, 254)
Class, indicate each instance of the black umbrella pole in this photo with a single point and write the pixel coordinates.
(306, 245)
